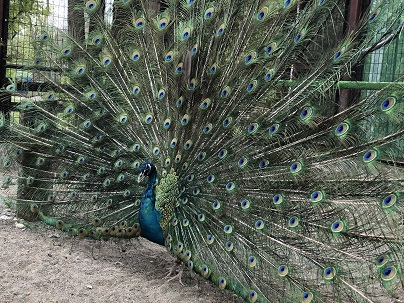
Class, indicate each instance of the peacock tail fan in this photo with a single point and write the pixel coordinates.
(267, 184)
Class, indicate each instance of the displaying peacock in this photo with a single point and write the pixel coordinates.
(215, 128)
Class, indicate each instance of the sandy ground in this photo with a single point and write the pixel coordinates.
(41, 264)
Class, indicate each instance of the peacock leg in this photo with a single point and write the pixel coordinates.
(98, 244)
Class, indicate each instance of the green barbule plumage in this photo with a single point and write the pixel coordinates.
(267, 185)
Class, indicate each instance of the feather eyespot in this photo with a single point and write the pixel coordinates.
(222, 283)
(225, 92)
(123, 118)
(245, 204)
(273, 129)
(135, 147)
(342, 129)
(161, 93)
(307, 297)
(178, 158)
(250, 58)
(388, 104)
(370, 156)
(136, 90)
(296, 167)
(339, 54)
(186, 33)
(306, 113)
(262, 14)
(220, 30)
(201, 156)
(139, 23)
(80, 70)
(86, 124)
(106, 61)
(382, 260)
(293, 222)
(188, 144)
(270, 48)
(389, 273)
(205, 271)
(374, 14)
(91, 5)
(179, 68)
(216, 205)
(242, 162)
(179, 102)
(329, 273)
(207, 129)
(156, 151)
(252, 86)
(389, 201)
(97, 40)
(205, 103)
(227, 122)
(228, 229)
(317, 196)
(259, 225)
(10, 87)
(173, 142)
(135, 56)
(222, 153)
(185, 119)
(229, 246)
(45, 37)
(6, 163)
(195, 191)
(299, 37)
(231, 186)
(169, 56)
(192, 84)
(213, 69)
(283, 270)
(277, 199)
(209, 13)
(148, 119)
(194, 49)
(66, 51)
(210, 239)
(253, 128)
(263, 164)
(252, 261)
(167, 123)
(337, 226)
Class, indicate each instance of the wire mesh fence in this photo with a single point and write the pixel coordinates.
(386, 64)
(30, 19)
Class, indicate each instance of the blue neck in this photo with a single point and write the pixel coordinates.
(149, 217)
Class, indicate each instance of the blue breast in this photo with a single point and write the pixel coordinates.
(149, 217)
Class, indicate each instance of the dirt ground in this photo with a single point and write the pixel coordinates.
(41, 264)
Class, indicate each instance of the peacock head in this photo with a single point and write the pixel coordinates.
(146, 170)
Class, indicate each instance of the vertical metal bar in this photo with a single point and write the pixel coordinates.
(5, 103)
(4, 6)
(354, 10)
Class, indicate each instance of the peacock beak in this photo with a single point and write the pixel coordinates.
(141, 177)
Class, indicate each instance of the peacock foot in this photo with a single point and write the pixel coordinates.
(175, 272)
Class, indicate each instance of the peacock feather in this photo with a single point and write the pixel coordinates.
(255, 176)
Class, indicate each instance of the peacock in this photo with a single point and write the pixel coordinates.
(215, 128)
